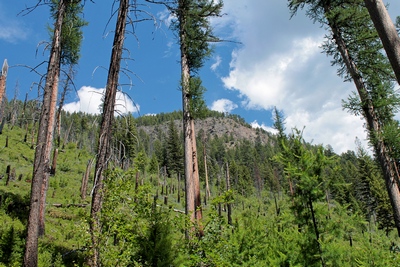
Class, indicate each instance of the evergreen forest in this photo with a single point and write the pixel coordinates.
(266, 204)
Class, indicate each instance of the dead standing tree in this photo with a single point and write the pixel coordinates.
(194, 34)
(3, 78)
(104, 152)
(41, 166)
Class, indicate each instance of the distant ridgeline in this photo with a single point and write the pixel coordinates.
(151, 120)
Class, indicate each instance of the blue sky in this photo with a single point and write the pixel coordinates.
(276, 62)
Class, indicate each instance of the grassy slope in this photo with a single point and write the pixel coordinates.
(64, 225)
(259, 236)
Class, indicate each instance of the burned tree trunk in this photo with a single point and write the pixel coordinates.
(41, 168)
(228, 187)
(85, 179)
(103, 153)
(54, 163)
(373, 124)
(60, 106)
(3, 78)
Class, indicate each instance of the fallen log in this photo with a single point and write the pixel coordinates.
(59, 205)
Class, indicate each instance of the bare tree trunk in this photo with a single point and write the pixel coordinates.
(41, 167)
(8, 171)
(103, 153)
(3, 78)
(54, 163)
(208, 192)
(228, 187)
(23, 118)
(33, 133)
(14, 107)
(66, 136)
(374, 127)
(196, 178)
(387, 32)
(85, 179)
(179, 188)
(60, 106)
(192, 184)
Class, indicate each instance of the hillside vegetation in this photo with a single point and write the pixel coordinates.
(268, 202)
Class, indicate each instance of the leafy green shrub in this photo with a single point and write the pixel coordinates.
(65, 167)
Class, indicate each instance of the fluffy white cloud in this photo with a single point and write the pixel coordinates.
(90, 100)
(255, 124)
(286, 69)
(216, 64)
(223, 105)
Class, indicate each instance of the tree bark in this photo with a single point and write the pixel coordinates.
(387, 32)
(3, 78)
(103, 153)
(85, 179)
(60, 106)
(228, 187)
(41, 167)
(373, 125)
(208, 192)
(192, 183)
(8, 171)
(54, 162)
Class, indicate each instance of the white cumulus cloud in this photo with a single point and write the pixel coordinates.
(287, 69)
(90, 100)
(223, 105)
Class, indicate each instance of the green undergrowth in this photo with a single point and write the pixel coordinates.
(65, 239)
(144, 223)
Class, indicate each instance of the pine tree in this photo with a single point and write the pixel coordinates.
(41, 167)
(356, 49)
(305, 168)
(174, 151)
(194, 32)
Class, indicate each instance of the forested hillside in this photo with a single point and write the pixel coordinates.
(265, 202)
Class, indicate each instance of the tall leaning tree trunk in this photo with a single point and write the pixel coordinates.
(228, 187)
(3, 79)
(103, 152)
(374, 128)
(41, 166)
(60, 107)
(387, 32)
(192, 183)
(208, 192)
